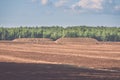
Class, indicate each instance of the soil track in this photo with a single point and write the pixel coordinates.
(94, 57)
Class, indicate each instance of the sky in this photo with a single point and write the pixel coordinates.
(15, 13)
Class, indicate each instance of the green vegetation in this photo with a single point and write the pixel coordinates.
(55, 32)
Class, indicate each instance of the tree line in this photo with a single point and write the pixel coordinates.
(100, 33)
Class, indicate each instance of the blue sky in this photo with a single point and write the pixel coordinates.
(59, 12)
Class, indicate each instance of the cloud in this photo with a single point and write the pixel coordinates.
(44, 2)
(83, 6)
(60, 3)
(97, 6)
(117, 7)
(88, 4)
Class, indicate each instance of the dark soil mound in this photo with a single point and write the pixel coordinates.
(35, 40)
(76, 40)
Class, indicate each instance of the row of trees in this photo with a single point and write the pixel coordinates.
(55, 32)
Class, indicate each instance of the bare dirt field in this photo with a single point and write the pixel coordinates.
(21, 60)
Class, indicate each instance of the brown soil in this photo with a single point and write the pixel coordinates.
(34, 61)
(23, 71)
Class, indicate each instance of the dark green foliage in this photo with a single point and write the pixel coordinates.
(55, 32)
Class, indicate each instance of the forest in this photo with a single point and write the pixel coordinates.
(100, 33)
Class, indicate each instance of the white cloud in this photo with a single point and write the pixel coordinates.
(117, 7)
(84, 6)
(60, 3)
(44, 2)
(89, 4)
